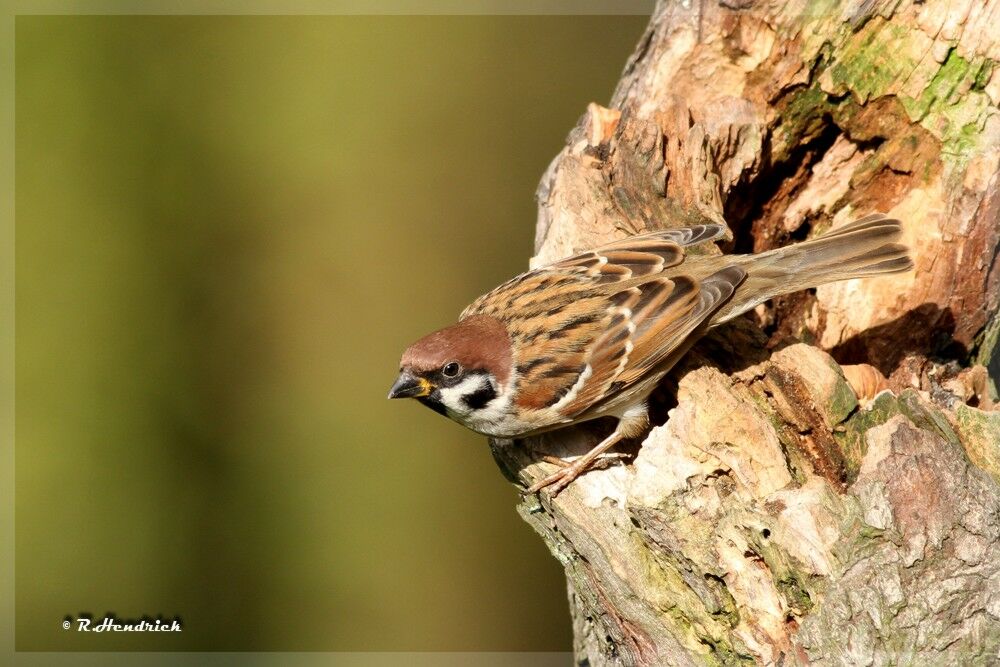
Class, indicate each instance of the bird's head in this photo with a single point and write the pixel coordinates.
(460, 371)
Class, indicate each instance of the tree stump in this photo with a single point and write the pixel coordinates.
(821, 484)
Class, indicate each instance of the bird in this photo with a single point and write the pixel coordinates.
(592, 335)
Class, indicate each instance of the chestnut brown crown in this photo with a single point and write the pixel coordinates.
(477, 343)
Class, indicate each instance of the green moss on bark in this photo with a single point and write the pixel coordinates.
(703, 623)
(980, 434)
(873, 59)
(885, 406)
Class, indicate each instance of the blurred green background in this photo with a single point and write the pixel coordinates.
(228, 229)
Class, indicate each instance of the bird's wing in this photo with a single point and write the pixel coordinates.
(622, 260)
(600, 317)
(654, 322)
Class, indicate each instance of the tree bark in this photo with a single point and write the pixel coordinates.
(821, 484)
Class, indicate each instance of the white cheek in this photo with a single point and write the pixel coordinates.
(489, 419)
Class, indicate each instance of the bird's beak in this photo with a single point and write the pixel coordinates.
(408, 386)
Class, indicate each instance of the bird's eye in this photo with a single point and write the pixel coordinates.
(451, 369)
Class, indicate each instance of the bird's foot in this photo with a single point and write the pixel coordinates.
(570, 470)
(560, 479)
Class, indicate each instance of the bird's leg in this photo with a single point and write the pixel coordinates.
(560, 479)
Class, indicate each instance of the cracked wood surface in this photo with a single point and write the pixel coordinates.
(788, 509)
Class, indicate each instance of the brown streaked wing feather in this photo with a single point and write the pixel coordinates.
(666, 315)
(616, 265)
(625, 259)
(639, 256)
(555, 349)
(528, 294)
(672, 331)
(682, 236)
(668, 245)
(661, 325)
(615, 355)
(608, 355)
(689, 236)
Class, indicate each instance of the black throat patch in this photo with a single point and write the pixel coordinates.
(433, 401)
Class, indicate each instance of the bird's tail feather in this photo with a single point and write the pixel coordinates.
(866, 247)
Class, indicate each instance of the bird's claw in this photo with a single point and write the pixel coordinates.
(558, 480)
(570, 470)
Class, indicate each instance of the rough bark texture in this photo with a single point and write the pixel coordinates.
(788, 509)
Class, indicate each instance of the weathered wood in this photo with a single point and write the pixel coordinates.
(787, 509)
